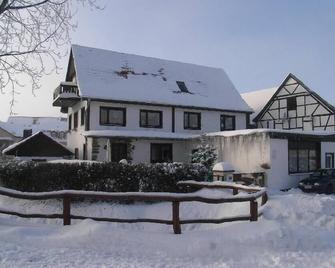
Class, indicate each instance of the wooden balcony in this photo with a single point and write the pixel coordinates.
(66, 95)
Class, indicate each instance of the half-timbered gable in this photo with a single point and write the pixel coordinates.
(295, 106)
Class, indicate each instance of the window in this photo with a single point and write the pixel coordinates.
(303, 156)
(76, 153)
(75, 120)
(84, 151)
(118, 151)
(227, 122)
(192, 120)
(27, 133)
(161, 152)
(82, 116)
(329, 160)
(291, 103)
(70, 122)
(182, 86)
(151, 119)
(112, 116)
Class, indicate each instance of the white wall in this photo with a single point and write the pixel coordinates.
(141, 152)
(245, 152)
(75, 138)
(210, 120)
(278, 176)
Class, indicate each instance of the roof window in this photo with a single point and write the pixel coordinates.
(182, 86)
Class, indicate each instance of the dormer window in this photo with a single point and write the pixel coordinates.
(182, 86)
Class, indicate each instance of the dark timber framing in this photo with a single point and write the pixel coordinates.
(295, 106)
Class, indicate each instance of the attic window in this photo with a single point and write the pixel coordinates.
(182, 86)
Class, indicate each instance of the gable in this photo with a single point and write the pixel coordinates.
(109, 75)
(308, 103)
(38, 145)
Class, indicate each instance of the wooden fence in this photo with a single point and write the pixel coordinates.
(174, 198)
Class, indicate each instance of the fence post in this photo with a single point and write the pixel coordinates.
(175, 217)
(235, 191)
(66, 210)
(253, 210)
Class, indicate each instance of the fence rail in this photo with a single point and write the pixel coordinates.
(175, 198)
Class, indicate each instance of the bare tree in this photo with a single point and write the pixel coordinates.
(32, 33)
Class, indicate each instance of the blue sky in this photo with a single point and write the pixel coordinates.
(256, 42)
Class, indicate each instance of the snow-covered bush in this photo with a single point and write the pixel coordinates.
(109, 177)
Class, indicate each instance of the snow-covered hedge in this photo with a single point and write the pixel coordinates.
(109, 177)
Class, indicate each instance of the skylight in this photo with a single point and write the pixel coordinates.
(182, 86)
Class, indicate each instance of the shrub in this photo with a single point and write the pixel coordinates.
(108, 177)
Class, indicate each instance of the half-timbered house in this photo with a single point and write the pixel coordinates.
(292, 105)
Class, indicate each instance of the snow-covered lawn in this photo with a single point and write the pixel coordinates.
(297, 230)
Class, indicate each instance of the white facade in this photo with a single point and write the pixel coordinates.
(210, 122)
(261, 151)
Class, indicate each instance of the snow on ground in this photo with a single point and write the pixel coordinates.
(297, 230)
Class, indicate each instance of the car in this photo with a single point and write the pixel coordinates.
(321, 181)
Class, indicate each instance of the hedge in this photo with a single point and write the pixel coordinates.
(108, 177)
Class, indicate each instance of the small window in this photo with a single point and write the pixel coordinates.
(112, 116)
(151, 119)
(82, 116)
(75, 120)
(291, 103)
(192, 120)
(182, 86)
(35, 121)
(76, 153)
(84, 151)
(161, 152)
(27, 133)
(70, 122)
(329, 160)
(227, 122)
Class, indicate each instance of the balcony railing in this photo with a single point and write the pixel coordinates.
(67, 89)
(66, 95)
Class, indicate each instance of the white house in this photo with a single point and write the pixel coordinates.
(128, 106)
(292, 105)
(25, 126)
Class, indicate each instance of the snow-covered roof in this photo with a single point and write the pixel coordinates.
(267, 130)
(104, 74)
(16, 124)
(258, 99)
(139, 134)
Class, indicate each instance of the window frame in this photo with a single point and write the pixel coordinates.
(70, 122)
(146, 118)
(291, 106)
(75, 120)
(298, 147)
(223, 118)
(122, 150)
(152, 145)
(124, 121)
(187, 114)
(332, 158)
(82, 116)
